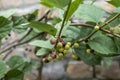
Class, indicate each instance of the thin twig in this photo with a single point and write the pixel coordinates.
(28, 32)
(18, 44)
(93, 32)
(18, 41)
(90, 26)
(63, 22)
(44, 15)
(94, 72)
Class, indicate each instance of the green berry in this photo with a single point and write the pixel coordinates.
(65, 51)
(6, 38)
(50, 58)
(60, 55)
(96, 27)
(69, 43)
(58, 58)
(76, 45)
(67, 47)
(74, 56)
(88, 51)
(61, 49)
(43, 60)
(59, 45)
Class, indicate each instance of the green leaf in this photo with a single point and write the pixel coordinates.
(89, 13)
(114, 22)
(41, 51)
(5, 27)
(15, 62)
(18, 22)
(72, 32)
(8, 13)
(104, 45)
(3, 69)
(55, 3)
(107, 61)
(43, 27)
(117, 10)
(42, 43)
(90, 59)
(14, 74)
(116, 3)
(27, 68)
(117, 43)
(32, 16)
(74, 5)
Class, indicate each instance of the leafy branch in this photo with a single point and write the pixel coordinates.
(90, 26)
(18, 42)
(93, 32)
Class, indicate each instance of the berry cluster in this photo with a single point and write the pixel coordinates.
(61, 50)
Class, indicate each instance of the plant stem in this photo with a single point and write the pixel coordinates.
(62, 26)
(18, 44)
(90, 26)
(93, 32)
(40, 70)
(94, 72)
(19, 41)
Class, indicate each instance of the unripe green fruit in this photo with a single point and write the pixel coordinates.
(75, 57)
(67, 47)
(60, 55)
(69, 43)
(58, 58)
(88, 51)
(50, 58)
(76, 45)
(61, 49)
(96, 27)
(43, 59)
(59, 45)
(53, 41)
(65, 51)
(6, 38)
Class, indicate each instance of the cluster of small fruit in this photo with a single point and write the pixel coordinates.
(61, 50)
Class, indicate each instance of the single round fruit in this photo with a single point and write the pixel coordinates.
(43, 59)
(50, 58)
(69, 43)
(60, 55)
(53, 55)
(6, 38)
(96, 27)
(53, 41)
(111, 28)
(74, 56)
(88, 51)
(59, 45)
(60, 40)
(58, 58)
(76, 45)
(65, 51)
(61, 49)
(67, 47)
